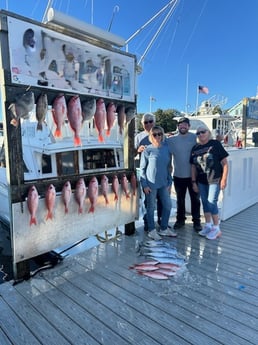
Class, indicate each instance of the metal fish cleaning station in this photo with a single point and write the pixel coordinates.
(92, 297)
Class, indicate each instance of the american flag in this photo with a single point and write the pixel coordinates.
(203, 89)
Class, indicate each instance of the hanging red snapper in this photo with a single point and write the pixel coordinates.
(124, 185)
(104, 187)
(66, 194)
(93, 192)
(59, 112)
(111, 116)
(80, 194)
(33, 202)
(50, 199)
(100, 118)
(115, 186)
(74, 114)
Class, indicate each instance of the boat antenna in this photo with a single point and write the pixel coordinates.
(151, 20)
(115, 10)
(157, 32)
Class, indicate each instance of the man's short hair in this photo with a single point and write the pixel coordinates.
(148, 116)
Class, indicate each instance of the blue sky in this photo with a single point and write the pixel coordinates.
(213, 43)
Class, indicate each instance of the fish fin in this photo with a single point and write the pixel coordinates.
(77, 141)
(58, 133)
(100, 138)
(33, 221)
(14, 122)
(39, 127)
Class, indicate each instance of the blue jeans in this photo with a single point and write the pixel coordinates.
(165, 200)
(209, 194)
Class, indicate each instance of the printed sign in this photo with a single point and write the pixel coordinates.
(45, 58)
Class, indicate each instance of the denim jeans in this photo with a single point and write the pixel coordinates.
(165, 200)
(209, 194)
(181, 186)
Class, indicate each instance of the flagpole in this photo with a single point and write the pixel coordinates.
(197, 100)
(186, 89)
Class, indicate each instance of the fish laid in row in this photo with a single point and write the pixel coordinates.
(80, 194)
(156, 270)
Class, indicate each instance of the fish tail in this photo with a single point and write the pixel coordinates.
(58, 133)
(39, 127)
(33, 221)
(100, 138)
(77, 141)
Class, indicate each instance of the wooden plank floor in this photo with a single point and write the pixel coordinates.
(93, 298)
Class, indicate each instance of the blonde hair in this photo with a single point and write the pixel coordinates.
(156, 128)
(204, 127)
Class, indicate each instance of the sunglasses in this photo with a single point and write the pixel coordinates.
(157, 134)
(146, 122)
(201, 132)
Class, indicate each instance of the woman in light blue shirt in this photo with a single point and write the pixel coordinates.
(156, 179)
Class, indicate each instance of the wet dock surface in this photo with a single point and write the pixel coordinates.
(94, 298)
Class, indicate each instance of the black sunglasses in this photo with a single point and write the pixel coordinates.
(201, 132)
(146, 122)
(157, 134)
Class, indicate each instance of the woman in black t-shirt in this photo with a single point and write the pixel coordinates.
(209, 175)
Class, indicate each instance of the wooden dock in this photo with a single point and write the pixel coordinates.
(93, 298)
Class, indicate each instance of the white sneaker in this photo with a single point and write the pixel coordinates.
(154, 235)
(214, 233)
(168, 232)
(205, 231)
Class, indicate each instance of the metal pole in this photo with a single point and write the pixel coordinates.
(115, 10)
(151, 20)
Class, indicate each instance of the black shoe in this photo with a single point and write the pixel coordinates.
(178, 225)
(197, 227)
